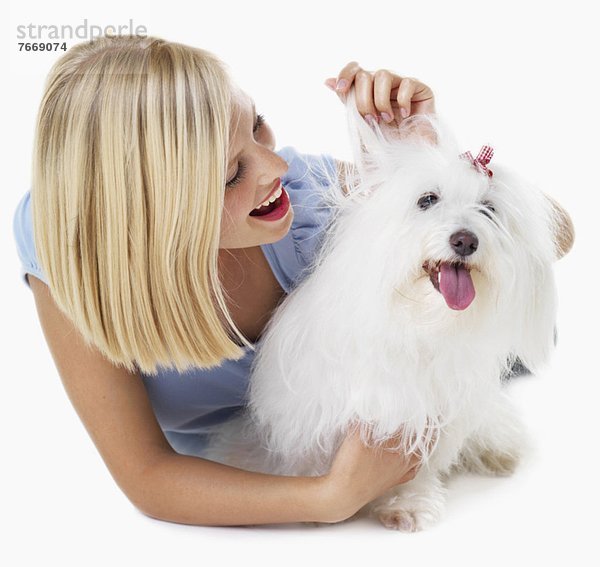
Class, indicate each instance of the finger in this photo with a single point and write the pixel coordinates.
(360, 431)
(331, 82)
(394, 439)
(406, 90)
(409, 475)
(415, 97)
(363, 90)
(422, 92)
(346, 77)
(432, 442)
(432, 434)
(423, 101)
(382, 88)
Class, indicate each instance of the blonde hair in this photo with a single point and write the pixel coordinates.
(129, 172)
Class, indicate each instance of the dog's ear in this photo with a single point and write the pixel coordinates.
(529, 295)
(537, 321)
(418, 128)
(372, 144)
(366, 142)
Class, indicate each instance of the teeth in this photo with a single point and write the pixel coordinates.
(275, 196)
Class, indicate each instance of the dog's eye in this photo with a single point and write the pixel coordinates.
(487, 207)
(427, 200)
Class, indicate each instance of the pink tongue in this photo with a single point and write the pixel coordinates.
(456, 286)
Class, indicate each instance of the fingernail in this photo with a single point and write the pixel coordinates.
(369, 119)
(386, 117)
(404, 112)
(341, 85)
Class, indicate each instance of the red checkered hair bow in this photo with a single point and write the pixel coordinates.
(481, 161)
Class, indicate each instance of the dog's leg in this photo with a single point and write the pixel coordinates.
(412, 506)
(498, 445)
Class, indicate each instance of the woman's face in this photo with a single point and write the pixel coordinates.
(253, 171)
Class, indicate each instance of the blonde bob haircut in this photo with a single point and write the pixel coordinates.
(129, 174)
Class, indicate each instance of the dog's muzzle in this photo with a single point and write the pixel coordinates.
(453, 281)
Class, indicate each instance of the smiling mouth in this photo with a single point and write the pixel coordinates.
(269, 199)
(453, 281)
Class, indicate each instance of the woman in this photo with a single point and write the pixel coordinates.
(155, 271)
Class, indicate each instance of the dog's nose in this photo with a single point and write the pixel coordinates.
(464, 242)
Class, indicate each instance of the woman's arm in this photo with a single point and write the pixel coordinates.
(191, 490)
(114, 408)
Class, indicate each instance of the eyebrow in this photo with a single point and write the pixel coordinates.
(239, 153)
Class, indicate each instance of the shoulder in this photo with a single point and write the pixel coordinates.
(23, 234)
(308, 181)
(308, 171)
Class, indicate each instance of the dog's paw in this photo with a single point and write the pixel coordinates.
(410, 507)
(490, 462)
(501, 464)
(401, 520)
(406, 516)
(406, 519)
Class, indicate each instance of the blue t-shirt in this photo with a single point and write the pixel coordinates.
(187, 404)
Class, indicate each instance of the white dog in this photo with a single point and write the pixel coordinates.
(434, 277)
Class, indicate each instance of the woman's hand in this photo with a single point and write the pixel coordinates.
(382, 95)
(361, 473)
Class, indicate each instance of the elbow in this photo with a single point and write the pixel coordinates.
(145, 491)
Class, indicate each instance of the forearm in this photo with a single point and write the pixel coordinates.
(191, 490)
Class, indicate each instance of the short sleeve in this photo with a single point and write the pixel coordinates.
(23, 233)
(307, 180)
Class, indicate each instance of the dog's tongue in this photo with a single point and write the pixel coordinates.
(456, 286)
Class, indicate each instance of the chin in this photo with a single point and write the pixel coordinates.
(273, 231)
(434, 279)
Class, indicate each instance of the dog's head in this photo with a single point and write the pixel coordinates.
(449, 238)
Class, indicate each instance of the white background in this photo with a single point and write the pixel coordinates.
(518, 75)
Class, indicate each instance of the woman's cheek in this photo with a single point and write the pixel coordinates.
(235, 206)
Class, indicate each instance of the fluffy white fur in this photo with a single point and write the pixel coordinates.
(367, 338)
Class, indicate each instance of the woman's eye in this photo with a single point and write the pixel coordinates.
(260, 120)
(427, 200)
(238, 176)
